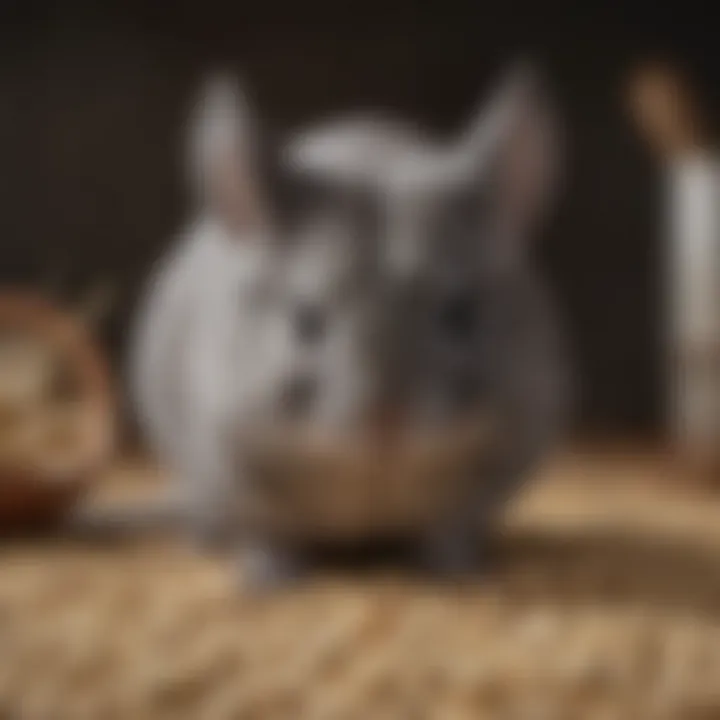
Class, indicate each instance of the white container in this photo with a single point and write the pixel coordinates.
(693, 312)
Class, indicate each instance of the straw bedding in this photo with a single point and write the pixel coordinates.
(604, 603)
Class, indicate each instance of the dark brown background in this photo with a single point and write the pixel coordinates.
(93, 95)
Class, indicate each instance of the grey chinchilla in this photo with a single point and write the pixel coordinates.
(358, 294)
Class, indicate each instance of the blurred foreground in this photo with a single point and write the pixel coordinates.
(605, 603)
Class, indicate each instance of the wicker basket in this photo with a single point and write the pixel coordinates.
(37, 491)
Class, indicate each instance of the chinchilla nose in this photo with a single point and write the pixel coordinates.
(298, 394)
(388, 410)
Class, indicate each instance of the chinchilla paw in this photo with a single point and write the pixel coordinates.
(264, 569)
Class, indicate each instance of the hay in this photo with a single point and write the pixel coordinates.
(606, 604)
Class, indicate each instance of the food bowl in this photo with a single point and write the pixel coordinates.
(321, 486)
(56, 410)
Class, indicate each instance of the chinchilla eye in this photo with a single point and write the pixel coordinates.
(457, 316)
(310, 323)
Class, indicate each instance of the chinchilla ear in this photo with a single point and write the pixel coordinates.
(223, 156)
(514, 143)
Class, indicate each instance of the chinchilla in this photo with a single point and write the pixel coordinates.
(311, 353)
